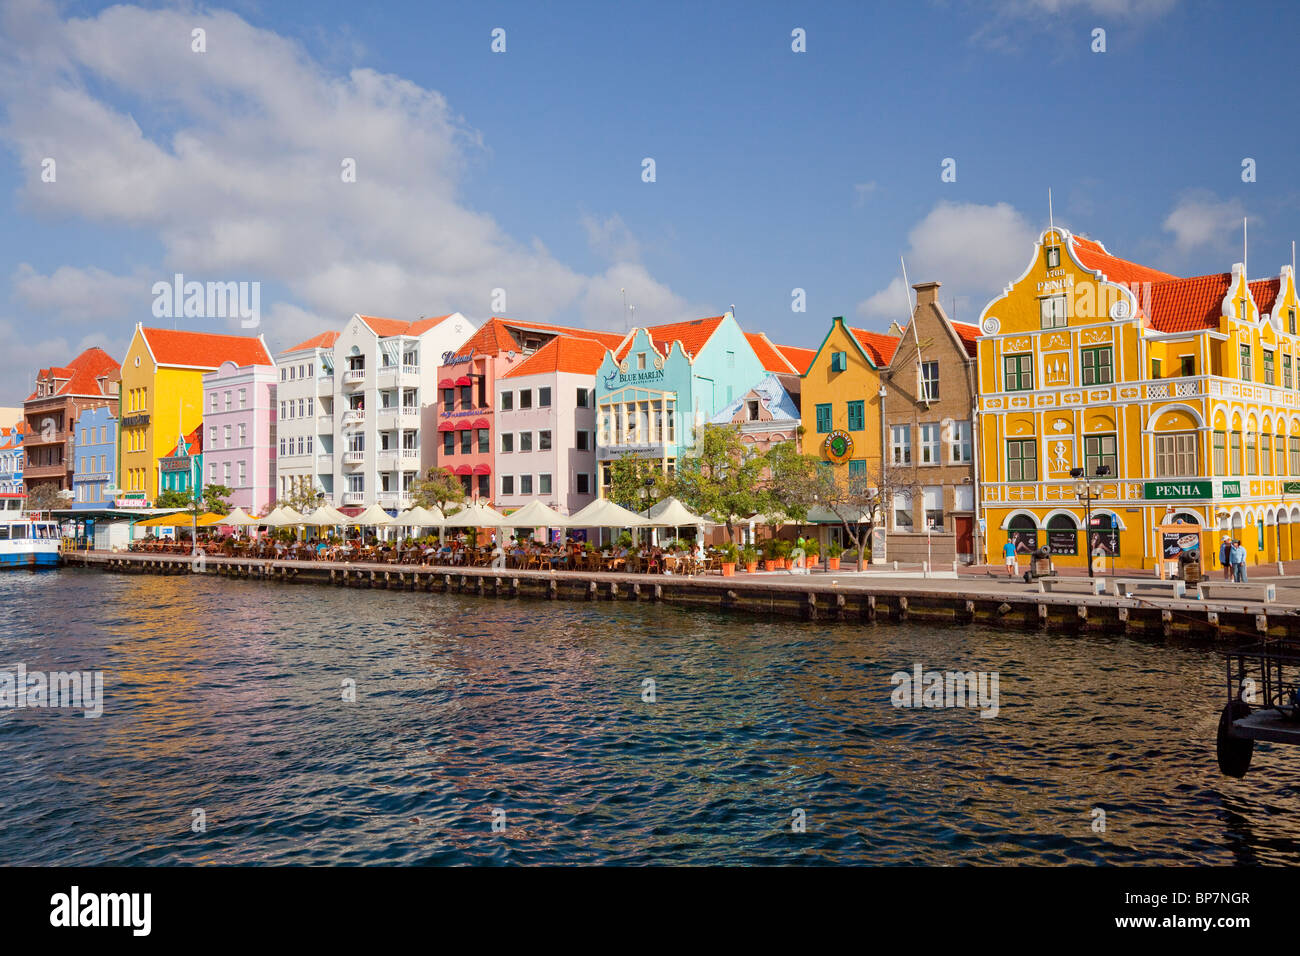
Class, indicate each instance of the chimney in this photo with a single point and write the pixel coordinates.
(927, 293)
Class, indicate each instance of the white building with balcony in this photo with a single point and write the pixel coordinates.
(305, 418)
(383, 402)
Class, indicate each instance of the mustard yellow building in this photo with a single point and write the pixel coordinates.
(162, 396)
(1175, 399)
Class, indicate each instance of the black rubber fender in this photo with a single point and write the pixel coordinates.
(1234, 752)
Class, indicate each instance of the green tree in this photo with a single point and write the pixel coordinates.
(302, 497)
(863, 503)
(439, 488)
(216, 498)
(172, 498)
(633, 474)
(793, 483)
(723, 476)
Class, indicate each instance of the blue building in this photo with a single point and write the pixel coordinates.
(94, 462)
(182, 469)
(11, 459)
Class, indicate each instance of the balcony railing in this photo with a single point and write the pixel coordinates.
(354, 457)
(354, 376)
(354, 497)
(354, 416)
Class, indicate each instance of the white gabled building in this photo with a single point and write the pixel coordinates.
(358, 405)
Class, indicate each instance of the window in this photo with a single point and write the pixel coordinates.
(900, 444)
(960, 451)
(929, 444)
(1156, 370)
(1220, 453)
(1293, 454)
(1176, 455)
(227, 399)
(1252, 462)
(544, 440)
(1287, 380)
(543, 398)
(212, 436)
(1188, 365)
(525, 398)
(212, 405)
(243, 434)
(466, 441)
(225, 436)
(857, 476)
(507, 443)
(1268, 367)
(1099, 450)
(1052, 311)
(449, 400)
(823, 419)
(1277, 453)
(1290, 321)
(1062, 534)
(1018, 372)
(484, 441)
(582, 483)
(525, 484)
(640, 361)
(902, 511)
(839, 361)
(1052, 255)
(243, 398)
(582, 440)
(243, 474)
(1234, 457)
(930, 381)
(543, 484)
(1022, 459)
(466, 396)
(507, 484)
(932, 498)
(582, 398)
(1097, 366)
(857, 416)
(449, 443)
(1245, 363)
(525, 441)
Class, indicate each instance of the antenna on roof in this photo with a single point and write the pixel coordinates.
(1245, 247)
(1051, 219)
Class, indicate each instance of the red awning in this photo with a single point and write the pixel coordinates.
(464, 470)
(447, 383)
(482, 423)
(464, 380)
(482, 469)
(447, 427)
(464, 426)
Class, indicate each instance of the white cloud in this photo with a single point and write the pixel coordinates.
(974, 250)
(232, 159)
(74, 294)
(1200, 220)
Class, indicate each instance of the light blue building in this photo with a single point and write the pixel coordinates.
(11, 460)
(664, 383)
(94, 462)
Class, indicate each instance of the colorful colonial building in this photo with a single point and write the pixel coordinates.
(1175, 399)
(51, 411)
(239, 449)
(304, 402)
(181, 469)
(95, 459)
(11, 459)
(162, 397)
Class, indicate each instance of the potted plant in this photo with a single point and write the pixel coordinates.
(625, 539)
(811, 549)
(771, 559)
(729, 555)
(749, 557)
(833, 552)
(783, 549)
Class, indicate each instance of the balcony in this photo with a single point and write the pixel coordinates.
(325, 384)
(395, 459)
(354, 497)
(353, 458)
(354, 416)
(324, 425)
(354, 377)
(392, 418)
(394, 499)
(399, 375)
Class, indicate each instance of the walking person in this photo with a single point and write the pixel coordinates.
(1238, 562)
(1225, 558)
(1009, 555)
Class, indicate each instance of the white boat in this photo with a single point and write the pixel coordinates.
(26, 540)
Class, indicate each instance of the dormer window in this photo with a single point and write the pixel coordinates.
(640, 361)
(1053, 257)
(752, 406)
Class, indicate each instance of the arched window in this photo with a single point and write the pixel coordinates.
(1104, 534)
(1023, 533)
(1062, 534)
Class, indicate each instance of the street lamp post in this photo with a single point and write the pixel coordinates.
(1087, 491)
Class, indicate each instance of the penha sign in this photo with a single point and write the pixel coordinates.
(1191, 490)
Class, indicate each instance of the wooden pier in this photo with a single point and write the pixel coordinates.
(822, 597)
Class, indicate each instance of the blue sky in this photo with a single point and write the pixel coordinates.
(521, 170)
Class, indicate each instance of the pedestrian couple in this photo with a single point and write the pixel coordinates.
(1233, 558)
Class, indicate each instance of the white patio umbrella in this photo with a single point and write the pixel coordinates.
(421, 517)
(326, 516)
(272, 518)
(477, 515)
(374, 515)
(239, 518)
(603, 513)
(671, 513)
(283, 518)
(535, 514)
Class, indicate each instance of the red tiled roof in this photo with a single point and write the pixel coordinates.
(693, 335)
(1185, 305)
(493, 336)
(968, 335)
(204, 349)
(564, 353)
(1264, 292)
(387, 327)
(81, 373)
(1094, 256)
(323, 341)
(879, 346)
(798, 356)
(195, 442)
(768, 354)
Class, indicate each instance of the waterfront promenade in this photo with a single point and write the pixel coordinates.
(971, 595)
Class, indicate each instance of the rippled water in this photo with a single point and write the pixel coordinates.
(226, 696)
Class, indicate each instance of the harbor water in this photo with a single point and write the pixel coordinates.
(248, 722)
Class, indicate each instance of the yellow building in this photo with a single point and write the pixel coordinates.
(162, 396)
(1182, 391)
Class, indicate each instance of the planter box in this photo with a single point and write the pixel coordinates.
(832, 564)
(773, 564)
(751, 567)
(728, 569)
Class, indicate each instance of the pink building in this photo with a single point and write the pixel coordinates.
(239, 433)
(546, 426)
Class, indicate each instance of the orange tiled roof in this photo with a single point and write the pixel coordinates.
(1185, 305)
(323, 341)
(388, 327)
(564, 353)
(798, 356)
(195, 442)
(1094, 256)
(968, 335)
(879, 346)
(693, 335)
(1264, 292)
(204, 349)
(493, 336)
(81, 374)
(771, 357)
